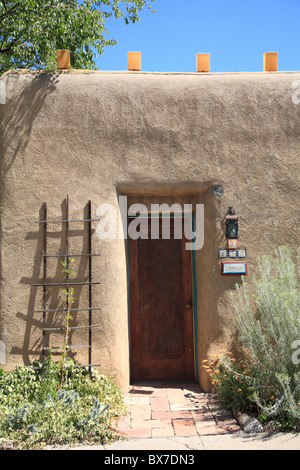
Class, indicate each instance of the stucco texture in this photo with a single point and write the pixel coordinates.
(153, 137)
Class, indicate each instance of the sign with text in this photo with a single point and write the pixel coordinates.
(233, 267)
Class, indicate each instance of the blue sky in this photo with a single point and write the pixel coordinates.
(235, 32)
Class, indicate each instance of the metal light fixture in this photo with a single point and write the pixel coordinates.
(218, 190)
(232, 226)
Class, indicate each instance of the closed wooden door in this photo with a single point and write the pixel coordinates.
(161, 310)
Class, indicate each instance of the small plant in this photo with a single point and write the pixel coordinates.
(230, 379)
(68, 301)
(268, 324)
(33, 415)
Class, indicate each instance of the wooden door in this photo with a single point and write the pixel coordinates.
(161, 311)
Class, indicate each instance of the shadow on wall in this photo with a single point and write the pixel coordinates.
(17, 116)
(56, 245)
(19, 113)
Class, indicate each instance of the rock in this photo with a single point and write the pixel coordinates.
(248, 423)
(252, 425)
(7, 445)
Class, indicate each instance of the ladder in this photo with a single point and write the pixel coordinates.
(68, 283)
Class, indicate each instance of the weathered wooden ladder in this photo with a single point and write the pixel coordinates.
(68, 283)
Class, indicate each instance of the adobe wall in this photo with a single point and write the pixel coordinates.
(150, 136)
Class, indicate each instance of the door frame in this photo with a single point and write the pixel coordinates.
(194, 287)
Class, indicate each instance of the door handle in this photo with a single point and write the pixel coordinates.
(189, 304)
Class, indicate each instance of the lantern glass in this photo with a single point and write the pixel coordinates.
(232, 229)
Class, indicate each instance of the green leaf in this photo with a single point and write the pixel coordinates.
(32, 30)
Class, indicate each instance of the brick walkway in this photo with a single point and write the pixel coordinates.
(173, 409)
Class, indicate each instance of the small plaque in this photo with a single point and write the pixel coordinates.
(241, 253)
(232, 253)
(231, 243)
(223, 253)
(233, 267)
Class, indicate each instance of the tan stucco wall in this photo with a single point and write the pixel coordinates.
(151, 136)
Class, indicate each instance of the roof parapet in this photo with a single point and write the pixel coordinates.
(203, 62)
(63, 59)
(134, 61)
(270, 61)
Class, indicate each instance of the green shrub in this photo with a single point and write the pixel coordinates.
(268, 323)
(230, 379)
(35, 411)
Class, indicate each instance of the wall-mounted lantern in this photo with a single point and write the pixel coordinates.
(232, 226)
(218, 190)
(231, 267)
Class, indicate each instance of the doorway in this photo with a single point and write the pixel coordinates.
(161, 307)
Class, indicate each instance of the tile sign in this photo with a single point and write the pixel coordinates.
(233, 267)
(232, 253)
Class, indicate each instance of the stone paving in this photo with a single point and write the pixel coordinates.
(177, 416)
(167, 409)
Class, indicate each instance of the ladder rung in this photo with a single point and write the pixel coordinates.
(69, 347)
(68, 255)
(75, 365)
(87, 365)
(71, 328)
(67, 310)
(65, 220)
(52, 284)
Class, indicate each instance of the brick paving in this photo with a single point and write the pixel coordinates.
(165, 409)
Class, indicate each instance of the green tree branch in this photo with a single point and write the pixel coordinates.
(32, 30)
